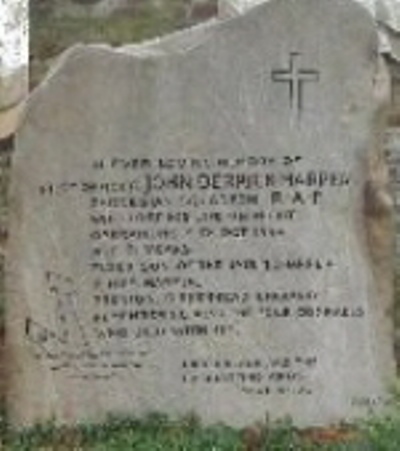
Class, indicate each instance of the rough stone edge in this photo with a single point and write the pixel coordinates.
(177, 43)
(378, 213)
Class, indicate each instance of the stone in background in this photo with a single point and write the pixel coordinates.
(13, 63)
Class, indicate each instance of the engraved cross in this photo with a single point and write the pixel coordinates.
(296, 79)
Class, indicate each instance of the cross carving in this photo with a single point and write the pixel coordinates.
(296, 78)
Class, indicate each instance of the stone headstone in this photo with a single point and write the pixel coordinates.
(205, 227)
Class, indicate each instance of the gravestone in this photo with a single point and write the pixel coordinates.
(200, 224)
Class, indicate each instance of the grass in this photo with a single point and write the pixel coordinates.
(158, 433)
(52, 35)
(153, 433)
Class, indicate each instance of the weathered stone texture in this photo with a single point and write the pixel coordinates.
(196, 226)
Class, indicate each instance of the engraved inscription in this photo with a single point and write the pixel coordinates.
(157, 267)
